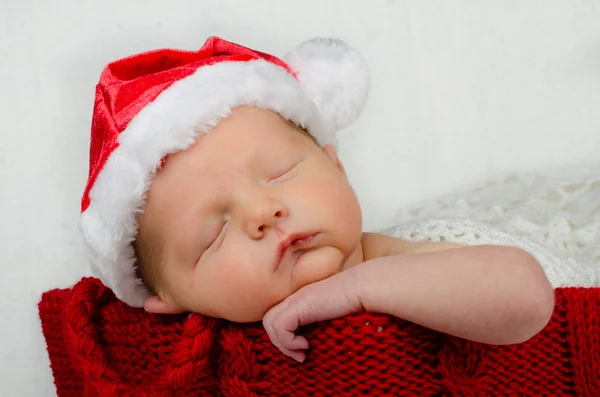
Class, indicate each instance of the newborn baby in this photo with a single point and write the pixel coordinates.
(251, 216)
(256, 210)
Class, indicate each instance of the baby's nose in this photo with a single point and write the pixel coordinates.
(264, 217)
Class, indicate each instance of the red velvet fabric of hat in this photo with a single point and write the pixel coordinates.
(99, 346)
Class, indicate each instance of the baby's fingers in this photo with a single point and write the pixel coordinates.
(297, 355)
(295, 348)
(298, 343)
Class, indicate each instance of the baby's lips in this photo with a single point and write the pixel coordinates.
(304, 242)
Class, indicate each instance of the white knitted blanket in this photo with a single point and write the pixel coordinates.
(554, 215)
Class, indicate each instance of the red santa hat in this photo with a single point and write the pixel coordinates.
(157, 103)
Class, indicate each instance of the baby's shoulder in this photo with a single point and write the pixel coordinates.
(377, 245)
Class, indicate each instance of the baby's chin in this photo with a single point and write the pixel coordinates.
(315, 266)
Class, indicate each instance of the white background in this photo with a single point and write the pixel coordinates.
(461, 91)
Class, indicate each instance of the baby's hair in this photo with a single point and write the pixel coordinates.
(147, 250)
(302, 130)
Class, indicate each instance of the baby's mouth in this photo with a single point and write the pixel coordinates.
(303, 243)
(300, 241)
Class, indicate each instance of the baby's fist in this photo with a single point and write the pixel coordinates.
(334, 297)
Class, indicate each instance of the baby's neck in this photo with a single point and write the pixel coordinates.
(375, 245)
(355, 258)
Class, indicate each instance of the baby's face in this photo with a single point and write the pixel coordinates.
(250, 213)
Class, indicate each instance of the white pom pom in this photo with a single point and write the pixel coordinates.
(334, 76)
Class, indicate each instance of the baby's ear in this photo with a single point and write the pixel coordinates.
(330, 152)
(154, 304)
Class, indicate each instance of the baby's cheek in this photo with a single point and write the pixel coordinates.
(242, 297)
(315, 266)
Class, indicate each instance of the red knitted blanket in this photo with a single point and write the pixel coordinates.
(98, 346)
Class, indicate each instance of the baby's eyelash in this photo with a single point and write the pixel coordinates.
(285, 172)
(221, 233)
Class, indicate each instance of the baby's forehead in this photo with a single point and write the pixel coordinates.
(237, 143)
(256, 140)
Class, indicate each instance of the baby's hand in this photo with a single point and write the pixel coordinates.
(334, 297)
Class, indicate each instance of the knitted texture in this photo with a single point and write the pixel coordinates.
(561, 269)
(557, 208)
(99, 346)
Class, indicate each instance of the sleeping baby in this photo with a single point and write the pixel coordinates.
(215, 188)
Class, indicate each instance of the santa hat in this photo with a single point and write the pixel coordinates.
(157, 103)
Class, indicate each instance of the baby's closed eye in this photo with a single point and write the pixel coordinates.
(217, 240)
(283, 173)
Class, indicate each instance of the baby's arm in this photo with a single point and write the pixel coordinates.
(489, 294)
